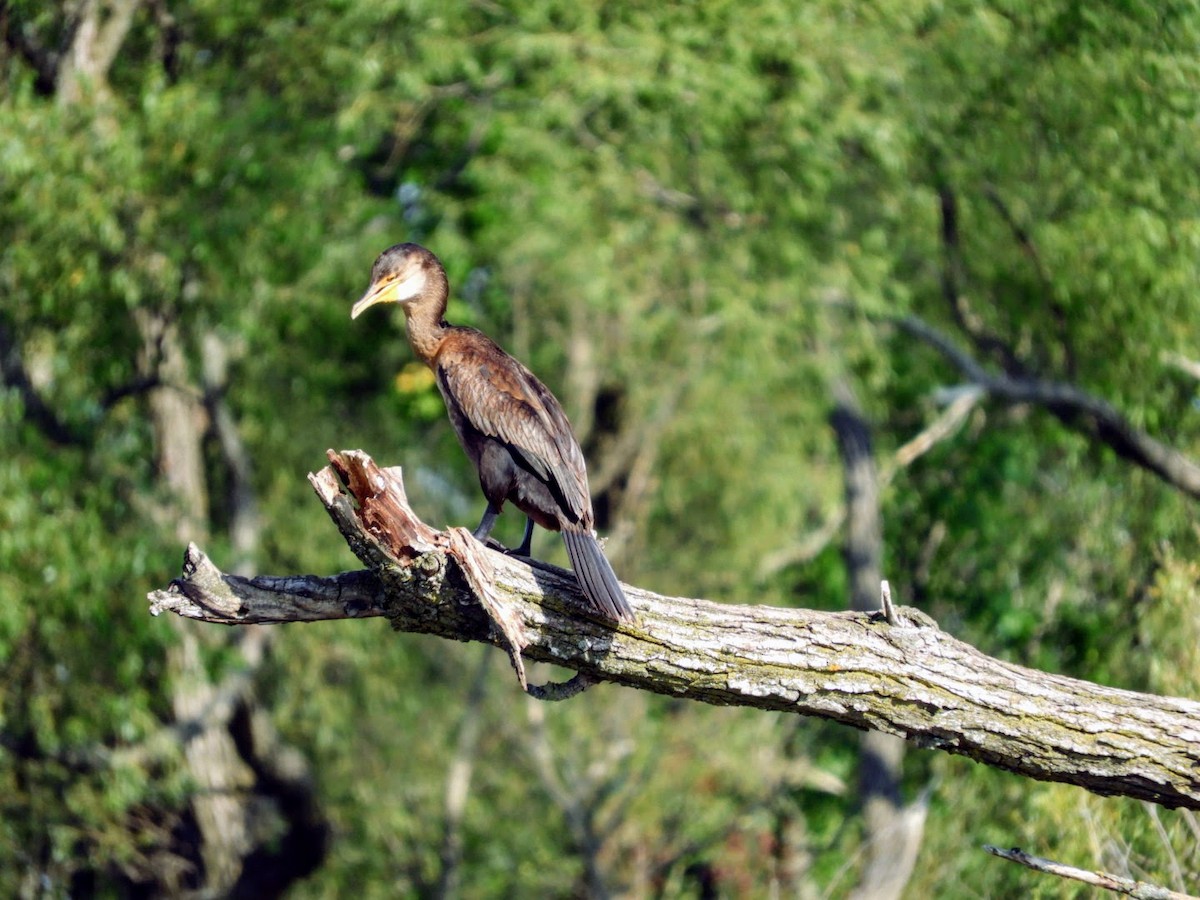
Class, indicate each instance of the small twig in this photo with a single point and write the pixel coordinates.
(937, 431)
(1127, 886)
(885, 599)
(1172, 856)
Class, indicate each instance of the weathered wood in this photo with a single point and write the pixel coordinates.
(910, 679)
(210, 595)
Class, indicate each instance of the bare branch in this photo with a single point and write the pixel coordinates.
(912, 680)
(811, 545)
(134, 388)
(1075, 408)
(1165, 840)
(1126, 886)
(112, 32)
(207, 594)
(934, 433)
(1025, 241)
(99, 31)
(885, 602)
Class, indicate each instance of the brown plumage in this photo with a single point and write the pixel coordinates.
(511, 426)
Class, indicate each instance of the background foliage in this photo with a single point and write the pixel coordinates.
(692, 221)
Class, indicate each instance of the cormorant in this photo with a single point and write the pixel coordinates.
(510, 425)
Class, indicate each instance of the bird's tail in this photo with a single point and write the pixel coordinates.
(596, 576)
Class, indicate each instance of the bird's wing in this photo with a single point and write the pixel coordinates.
(502, 399)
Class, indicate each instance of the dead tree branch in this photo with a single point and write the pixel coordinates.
(1074, 407)
(911, 679)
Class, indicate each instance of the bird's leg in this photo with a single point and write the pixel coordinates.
(526, 541)
(486, 523)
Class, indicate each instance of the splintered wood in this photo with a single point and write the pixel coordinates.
(383, 516)
(382, 512)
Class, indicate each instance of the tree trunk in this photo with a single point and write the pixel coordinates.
(99, 30)
(221, 777)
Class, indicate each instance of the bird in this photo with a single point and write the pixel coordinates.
(510, 425)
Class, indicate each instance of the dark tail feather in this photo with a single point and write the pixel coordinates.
(596, 576)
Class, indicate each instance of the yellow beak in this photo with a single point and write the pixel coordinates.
(376, 293)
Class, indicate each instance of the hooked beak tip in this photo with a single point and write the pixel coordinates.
(374, 294)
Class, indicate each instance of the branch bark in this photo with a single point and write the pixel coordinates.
(912, 679)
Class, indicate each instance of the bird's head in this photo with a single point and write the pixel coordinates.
(402, 273)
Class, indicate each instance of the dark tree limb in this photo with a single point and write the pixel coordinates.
(138, 387)
(912, 679)
(954, 278)
(1074, 407)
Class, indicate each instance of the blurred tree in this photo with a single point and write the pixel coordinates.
(114, 352)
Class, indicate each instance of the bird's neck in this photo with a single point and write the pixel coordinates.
(425, 326)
